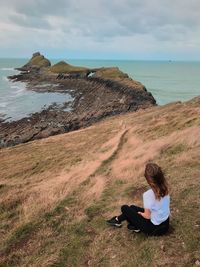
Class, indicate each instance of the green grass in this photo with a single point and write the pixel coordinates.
(110, 73)
(63, 67)
(20, 236)
(99, 207)
(2, 186)
(39, 61)
(175, 149)
(104, 167)
(74, 251)
(9, 205)
(68, 202)
(9, 213)
(83, 233)
(13, 260)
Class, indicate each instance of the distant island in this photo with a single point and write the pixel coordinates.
(96, 93)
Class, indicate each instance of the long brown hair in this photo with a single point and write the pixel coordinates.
(156, 179)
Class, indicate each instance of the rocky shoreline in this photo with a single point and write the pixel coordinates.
(96, 93)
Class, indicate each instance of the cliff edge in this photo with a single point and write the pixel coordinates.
(93, 94)
(56, 193)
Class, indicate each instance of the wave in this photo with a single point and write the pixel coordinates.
(19, 90)
(4, 78)
(16, 86)
(6, 69)
(3, 104)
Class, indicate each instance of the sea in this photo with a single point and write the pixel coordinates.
(168, 81)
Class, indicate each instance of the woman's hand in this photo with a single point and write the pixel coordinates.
(146, 214)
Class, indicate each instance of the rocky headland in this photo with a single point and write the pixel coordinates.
(96, 93)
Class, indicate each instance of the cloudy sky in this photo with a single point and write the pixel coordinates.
(104, 29)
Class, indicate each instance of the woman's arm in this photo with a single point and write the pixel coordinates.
(146, 214)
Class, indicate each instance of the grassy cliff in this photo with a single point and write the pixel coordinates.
(38, 61)
(63, 67)
(110, 73)
(56, 193)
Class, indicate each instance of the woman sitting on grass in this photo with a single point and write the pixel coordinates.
(153, 219)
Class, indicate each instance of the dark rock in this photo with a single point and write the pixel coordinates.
(94, 98)
(37, 61)
(36, 54)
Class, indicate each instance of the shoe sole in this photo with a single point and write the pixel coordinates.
(136, 231)
(115, 225)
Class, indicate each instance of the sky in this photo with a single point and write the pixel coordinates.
(101, 29)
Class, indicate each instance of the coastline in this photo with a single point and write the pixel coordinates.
(107, 93)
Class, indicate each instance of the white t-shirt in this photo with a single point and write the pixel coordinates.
(159, 208)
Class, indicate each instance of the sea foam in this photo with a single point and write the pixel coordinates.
(7, 69)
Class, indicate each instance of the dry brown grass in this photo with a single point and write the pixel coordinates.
(57, 192)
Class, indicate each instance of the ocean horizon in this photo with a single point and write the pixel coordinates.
(167, 80)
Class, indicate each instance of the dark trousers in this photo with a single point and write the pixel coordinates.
(130, 214)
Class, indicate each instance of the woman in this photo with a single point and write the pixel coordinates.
(153, 219)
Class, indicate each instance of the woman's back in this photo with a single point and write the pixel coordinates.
(159, 208)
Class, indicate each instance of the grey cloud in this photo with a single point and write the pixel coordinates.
(37, 8)
(30, 22)
(152, 15)
(96, 21)
(107, 18)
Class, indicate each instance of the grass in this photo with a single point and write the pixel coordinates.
(63, 67)
(53, 205)
(74, 252)
(110, 73)
(39, 61)
(176, 149)
(20, 236)
(98, 208)
(105, 163)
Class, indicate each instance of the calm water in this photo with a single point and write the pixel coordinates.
(167, 81)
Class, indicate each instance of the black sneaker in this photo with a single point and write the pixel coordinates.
(133, 228)
(114, 222)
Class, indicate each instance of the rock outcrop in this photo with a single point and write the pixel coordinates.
(37, 61)
(97, 93)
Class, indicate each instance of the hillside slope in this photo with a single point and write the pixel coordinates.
(57, 192)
